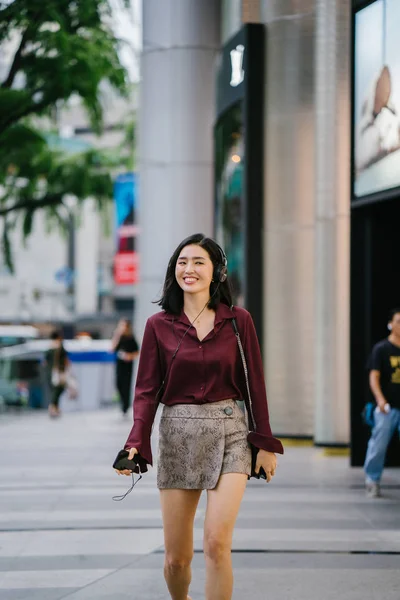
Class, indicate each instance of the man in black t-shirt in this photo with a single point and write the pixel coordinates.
(384, 380)
(127, 349)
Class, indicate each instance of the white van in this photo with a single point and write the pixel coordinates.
(11, 335)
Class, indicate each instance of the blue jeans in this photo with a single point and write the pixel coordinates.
(382, 432)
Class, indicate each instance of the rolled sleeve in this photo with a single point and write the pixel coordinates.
(148, 382)
(261, 438)
(265, 442)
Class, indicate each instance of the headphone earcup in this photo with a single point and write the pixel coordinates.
(223, 274)
(220, 273)
(217, 272)
(221, 269)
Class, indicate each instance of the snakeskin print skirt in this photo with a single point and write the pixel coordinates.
(200, 442)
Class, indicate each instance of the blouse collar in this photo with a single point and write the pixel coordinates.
(222, 312)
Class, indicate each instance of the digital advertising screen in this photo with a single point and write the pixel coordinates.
(229, 215)
(376, 116)
(239, 165)
(126, 257)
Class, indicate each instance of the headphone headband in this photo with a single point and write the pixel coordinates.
(221, 270)
(223, 255)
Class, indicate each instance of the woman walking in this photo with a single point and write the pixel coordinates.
(57, 363)
(191, 363)
(126, 348)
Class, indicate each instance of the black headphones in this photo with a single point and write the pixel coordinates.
(221, 269)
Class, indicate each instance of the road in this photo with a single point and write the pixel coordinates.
(310, 534)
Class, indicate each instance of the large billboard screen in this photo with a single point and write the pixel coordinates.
(126, 257)
(377, 98)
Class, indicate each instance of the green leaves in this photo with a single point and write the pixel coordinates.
(44, 181)
(28, 222)
(6, 246)
(65, 48)
(62, 48)
(19, 146)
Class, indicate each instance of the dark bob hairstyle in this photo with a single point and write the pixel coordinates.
(172, 295)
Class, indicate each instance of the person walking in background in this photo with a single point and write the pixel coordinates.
(384, 380)
(57, 364)
(126, 348)
(190, 356)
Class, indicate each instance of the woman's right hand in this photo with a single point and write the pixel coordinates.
(132, 452)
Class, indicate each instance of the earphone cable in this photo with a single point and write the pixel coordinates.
(182, 338)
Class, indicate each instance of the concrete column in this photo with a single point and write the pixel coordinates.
(231, 19)
(176, 116)
(289, 215)
(332, 208)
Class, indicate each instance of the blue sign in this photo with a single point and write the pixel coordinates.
(124, 195)
(64, 275)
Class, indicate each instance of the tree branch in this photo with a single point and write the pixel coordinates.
(32, 108)
(48, 200)
(7, 83)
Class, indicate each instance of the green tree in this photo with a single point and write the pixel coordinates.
(60, 49)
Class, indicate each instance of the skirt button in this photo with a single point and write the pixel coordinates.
(228, 410)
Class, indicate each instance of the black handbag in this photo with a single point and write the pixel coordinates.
(249, 408)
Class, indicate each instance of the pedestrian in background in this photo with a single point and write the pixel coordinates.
(384, 380)
(190, 360)
(57, 364)
(126, 348)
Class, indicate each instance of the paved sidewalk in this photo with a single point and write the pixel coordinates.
(311, 534)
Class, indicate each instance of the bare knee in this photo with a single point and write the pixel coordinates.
(216, 548)
(176, 564)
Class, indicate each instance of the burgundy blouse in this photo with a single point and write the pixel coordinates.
(201, 372)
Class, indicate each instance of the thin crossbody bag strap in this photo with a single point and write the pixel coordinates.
(249, 404)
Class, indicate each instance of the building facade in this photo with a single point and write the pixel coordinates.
(306, 189)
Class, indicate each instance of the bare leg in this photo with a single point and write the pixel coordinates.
(223, 505)
(178, 510)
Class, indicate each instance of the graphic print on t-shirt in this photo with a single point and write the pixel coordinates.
(385, 358)
(395, 364)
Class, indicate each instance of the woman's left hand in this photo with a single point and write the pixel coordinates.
(266, 460)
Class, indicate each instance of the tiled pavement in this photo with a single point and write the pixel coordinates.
(311, 534)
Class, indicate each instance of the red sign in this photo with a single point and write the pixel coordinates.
(126, 268)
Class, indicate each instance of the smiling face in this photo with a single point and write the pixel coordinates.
(194, 269)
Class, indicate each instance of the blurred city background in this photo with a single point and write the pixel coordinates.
(272, 126)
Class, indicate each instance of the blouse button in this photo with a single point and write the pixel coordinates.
(200, 347)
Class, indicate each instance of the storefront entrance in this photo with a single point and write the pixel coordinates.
(375, 289)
